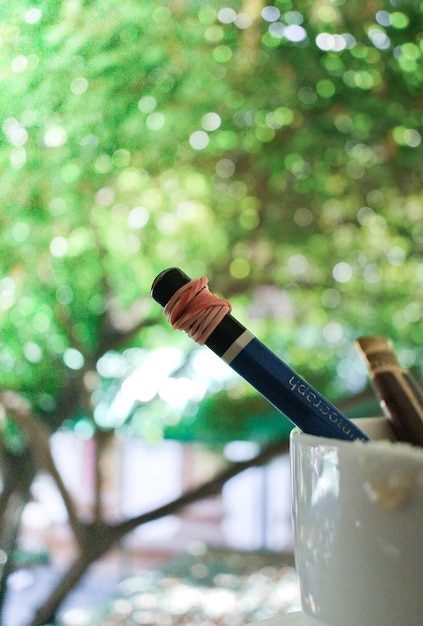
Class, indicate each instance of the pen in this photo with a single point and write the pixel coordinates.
(203, 315)
(399, 395)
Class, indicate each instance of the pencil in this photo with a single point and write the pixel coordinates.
(400, 398)
(286, 390)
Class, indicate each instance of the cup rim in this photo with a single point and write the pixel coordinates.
(373, 448)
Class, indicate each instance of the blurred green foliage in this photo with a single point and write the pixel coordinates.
(276, 148)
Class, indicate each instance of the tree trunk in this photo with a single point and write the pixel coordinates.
(18, 474)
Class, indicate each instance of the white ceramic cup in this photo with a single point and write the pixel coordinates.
(358, 530)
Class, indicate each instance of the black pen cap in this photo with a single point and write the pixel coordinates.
(167, 283)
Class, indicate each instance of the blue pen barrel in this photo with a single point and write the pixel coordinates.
(291, 394)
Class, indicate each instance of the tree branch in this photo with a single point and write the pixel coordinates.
(39, 437)
(205, 490)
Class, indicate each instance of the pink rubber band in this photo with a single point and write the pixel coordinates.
(195, 310)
